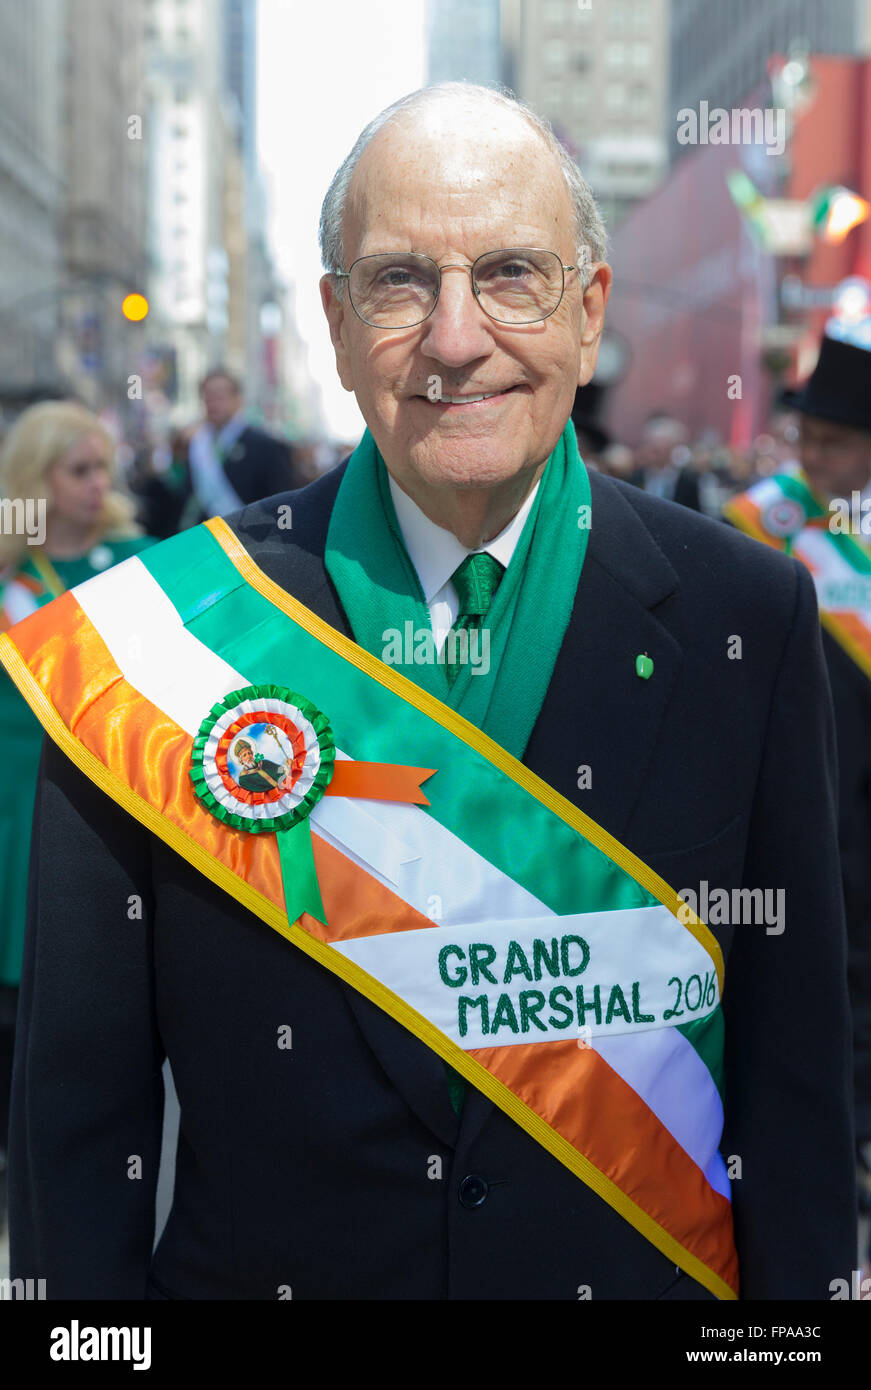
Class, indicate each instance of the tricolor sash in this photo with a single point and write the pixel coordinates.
(460, 893)
(783, 512)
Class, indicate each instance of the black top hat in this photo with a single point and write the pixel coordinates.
(839, 388)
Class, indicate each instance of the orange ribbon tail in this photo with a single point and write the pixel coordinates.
(379, 781)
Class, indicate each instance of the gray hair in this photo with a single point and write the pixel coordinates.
(590, 234)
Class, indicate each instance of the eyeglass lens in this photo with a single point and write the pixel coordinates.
(399, 290)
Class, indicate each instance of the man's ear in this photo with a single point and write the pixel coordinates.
(336, 310)
(595, 298)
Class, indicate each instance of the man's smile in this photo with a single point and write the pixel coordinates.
(468, 400)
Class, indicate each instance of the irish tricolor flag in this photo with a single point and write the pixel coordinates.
(459, 892)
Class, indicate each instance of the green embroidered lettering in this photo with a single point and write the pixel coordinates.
(617, 1005)
(686, 993)
(516, 964)
(565, 1009)
(480, 956)
(676, 1011)
(454, 981)
(582, 1005)
(569, 969)
(637, 1015)
(464, 1003)
(551, 960)
(531, 1004)
(504, 1017)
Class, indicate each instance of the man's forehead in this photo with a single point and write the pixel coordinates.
(447, 170)
(835, 429)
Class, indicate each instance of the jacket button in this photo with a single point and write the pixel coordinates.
(473, 1191)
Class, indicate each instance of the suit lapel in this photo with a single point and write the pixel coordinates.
(597, 712)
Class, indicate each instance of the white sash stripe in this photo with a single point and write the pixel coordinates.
(643, 946)
(832, 573)
(18, 602)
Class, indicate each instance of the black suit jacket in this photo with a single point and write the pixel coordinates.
(334, 1167)
(260, 465)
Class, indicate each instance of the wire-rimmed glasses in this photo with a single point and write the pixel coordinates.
(518, 285)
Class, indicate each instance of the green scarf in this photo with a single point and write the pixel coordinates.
(379, 589)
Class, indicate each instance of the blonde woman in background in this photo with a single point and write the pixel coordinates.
(60, 452)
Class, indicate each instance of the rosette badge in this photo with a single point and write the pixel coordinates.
(263, 758)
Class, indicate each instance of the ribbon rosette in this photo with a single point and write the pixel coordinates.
(261, 761)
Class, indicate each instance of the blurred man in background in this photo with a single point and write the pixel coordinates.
(662, 471)
(230, 462)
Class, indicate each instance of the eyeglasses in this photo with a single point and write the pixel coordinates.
(400, 289)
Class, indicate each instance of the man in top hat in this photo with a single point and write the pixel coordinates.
(823, 516)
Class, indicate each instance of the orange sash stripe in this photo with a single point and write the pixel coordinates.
(575, 1090)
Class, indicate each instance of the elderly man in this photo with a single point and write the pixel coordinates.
(443, 1026)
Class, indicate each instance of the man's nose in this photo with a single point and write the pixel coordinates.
(457, 330)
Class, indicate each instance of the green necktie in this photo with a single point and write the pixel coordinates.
(476, 580)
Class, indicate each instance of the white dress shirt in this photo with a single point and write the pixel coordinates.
(436, 553)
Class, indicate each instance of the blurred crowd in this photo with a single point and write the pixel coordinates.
(702, 472)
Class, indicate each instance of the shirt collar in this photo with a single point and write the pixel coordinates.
(435, 552)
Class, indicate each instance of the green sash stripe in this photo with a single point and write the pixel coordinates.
(469, 795)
